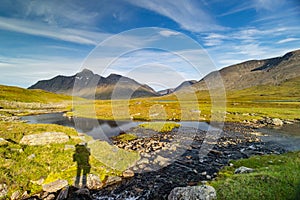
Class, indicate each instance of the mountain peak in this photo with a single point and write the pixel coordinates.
(85, 72)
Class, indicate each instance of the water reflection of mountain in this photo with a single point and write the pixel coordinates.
(102, 129)
(98, 129)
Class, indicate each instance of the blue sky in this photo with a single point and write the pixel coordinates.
(41, 39)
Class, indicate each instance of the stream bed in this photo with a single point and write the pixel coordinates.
(193, 153)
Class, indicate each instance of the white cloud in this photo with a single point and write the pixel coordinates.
(268, 4)
(168, 33)
(64, 34)
(287, 40)
(24, 72)
(214, 39)
(189, 14)
(40, 29)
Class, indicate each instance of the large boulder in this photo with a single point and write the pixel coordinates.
(55, 186)
(44, 138)
(203, 192)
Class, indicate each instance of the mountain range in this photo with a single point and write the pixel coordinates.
(85, 83)
(235, 77)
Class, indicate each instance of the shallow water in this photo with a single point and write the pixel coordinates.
(98, 129)
(287, 136)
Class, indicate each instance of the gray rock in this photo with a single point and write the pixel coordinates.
(202, 192)
(243, 170)
(55, 186)
(277, 122)
(3, 190)
(94, 182)
(44, 138)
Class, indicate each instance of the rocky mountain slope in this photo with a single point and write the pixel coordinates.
(271, 71)
(179, 87)
(89, 85)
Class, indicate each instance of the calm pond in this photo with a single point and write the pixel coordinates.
(287, 136)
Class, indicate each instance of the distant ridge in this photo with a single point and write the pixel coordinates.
(86, 82)
(271, 71)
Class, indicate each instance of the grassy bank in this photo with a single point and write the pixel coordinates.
(23, 166)
(275, 177)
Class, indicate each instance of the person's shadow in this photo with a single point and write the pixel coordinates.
(81, 156)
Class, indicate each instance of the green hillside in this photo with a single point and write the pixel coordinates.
(288, 90)
(10, 93)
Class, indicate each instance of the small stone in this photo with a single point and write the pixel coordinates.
(25, 195)
(50, 197)
(128, 173)
(3, 141)
(30, 157)
(143, 161)
(94, 182)
(203, 173)
(161, 160)
(147, 169)
(38, 182)
(3, 190)
(16, 195)
(208, 177)
(69, 147)
(111, 180)
(55, 186)
(63, 194)
(277, 122)
(243, 170)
